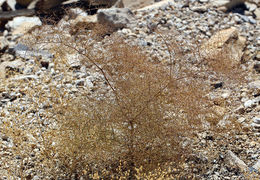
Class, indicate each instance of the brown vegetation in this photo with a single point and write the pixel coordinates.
(136, 127)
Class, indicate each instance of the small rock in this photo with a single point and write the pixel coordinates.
(256, 120)
(45, 64)
(241, 119)
(203, 1)
(254, 85)
(256, 126)
(225, 95)
(257, 13)
(257, 67)
(25, 77)
(199, 9)
(159, 5)
(252, 102)
(257, 57)
(80, 82)
(257, 166)
(233, 160)
(27, 53)
(217, 85)
(73, 60)
(251, 7)
(115, 18)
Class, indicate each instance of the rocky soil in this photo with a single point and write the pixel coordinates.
(190, 23)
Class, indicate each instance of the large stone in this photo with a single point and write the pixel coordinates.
(225, 41)
(115, 18)
(21, 25)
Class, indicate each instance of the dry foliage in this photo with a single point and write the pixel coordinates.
(140, 121)
(136, 128)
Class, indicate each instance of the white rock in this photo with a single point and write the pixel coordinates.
(251, 7)
(11, 4)
(257, 13)
(254, 85)
(226, 94)
(25, 77)
(257, 165)
(252, 102)
(89, 82)
(73, 60)
(21, 25)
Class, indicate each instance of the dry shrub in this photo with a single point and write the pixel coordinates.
(135, 128)
(141, 121)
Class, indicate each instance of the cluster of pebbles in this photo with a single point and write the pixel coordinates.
(189, 23)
